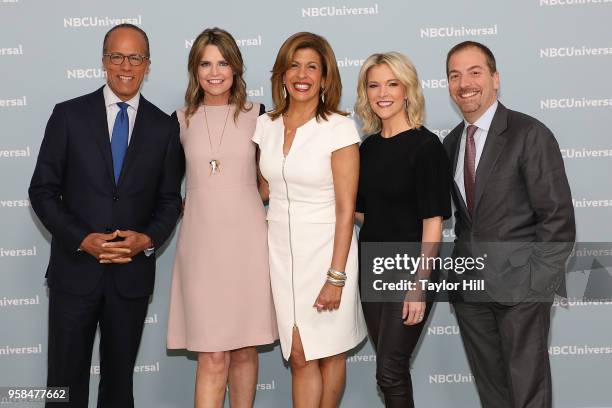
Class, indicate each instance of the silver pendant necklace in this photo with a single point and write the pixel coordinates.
(215, 164)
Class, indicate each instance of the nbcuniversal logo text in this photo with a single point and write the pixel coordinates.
(563, 52)
(18, 252)
(575, 103)
(584, 153)
(335, 11)
(350, 62)
(451, 330)
(361, 358)
(434, 83)
(586, 203)
(106, 21)
(10, 350)
(575, 350)
(571, 2)
(138, 369)
(85, 73)
(256, 92)
(28, 301)
(15, 153)
(451, 378)
(442, 32)
(14, 203)
(270, 386)
(14, 102)
(562, 302)
(8, 51)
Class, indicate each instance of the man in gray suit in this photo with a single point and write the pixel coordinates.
(513, 203)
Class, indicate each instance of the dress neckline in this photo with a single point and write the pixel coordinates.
(214, 107)
(397, 135)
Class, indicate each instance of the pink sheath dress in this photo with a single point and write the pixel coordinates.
(221, 296)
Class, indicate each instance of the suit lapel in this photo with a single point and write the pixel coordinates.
(492, 149)
(454, 148)
(136, 140)
(99, 129)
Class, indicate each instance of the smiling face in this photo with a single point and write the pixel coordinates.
(124, 79)
(215, 76)
(471, 84)
(386, 94)
(304, 78)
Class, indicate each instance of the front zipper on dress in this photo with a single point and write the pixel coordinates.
(290, 244)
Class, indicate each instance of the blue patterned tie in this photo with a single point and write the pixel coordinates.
(119, 140)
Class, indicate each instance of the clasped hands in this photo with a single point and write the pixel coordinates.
(106, 250)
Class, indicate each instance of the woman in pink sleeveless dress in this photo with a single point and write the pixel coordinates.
(221, 302)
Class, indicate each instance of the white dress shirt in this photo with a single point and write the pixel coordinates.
(480, 137)
(110, 101)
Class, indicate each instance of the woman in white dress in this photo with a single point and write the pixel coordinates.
(309, 162)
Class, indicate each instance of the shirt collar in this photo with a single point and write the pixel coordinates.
(111, 99)
(484, 122)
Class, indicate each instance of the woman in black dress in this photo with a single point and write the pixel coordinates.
(404, 195)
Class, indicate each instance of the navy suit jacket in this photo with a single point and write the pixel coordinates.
(73, 191)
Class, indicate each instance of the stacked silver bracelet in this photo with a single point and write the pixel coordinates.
(335, 277)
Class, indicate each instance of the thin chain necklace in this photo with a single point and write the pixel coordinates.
(215, 164)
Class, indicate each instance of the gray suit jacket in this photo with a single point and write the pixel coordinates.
(523, 213)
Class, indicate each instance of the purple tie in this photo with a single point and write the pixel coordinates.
(469, 167)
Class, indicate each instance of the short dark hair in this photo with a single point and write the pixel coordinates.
(126, 25)
(473, 44)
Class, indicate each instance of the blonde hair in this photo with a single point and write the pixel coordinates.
(406, 74)
(331, 74)
(194, 96)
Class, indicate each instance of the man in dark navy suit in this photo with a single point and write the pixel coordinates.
(107, 187)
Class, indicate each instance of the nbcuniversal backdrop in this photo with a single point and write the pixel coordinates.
(554, 58)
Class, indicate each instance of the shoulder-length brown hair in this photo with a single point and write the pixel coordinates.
(194, 96)
(329, 97)
(406, 74)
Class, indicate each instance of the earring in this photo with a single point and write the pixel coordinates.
(323, 95)
(406, 103)
(284, 91)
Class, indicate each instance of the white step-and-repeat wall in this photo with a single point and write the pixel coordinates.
(554, 58)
